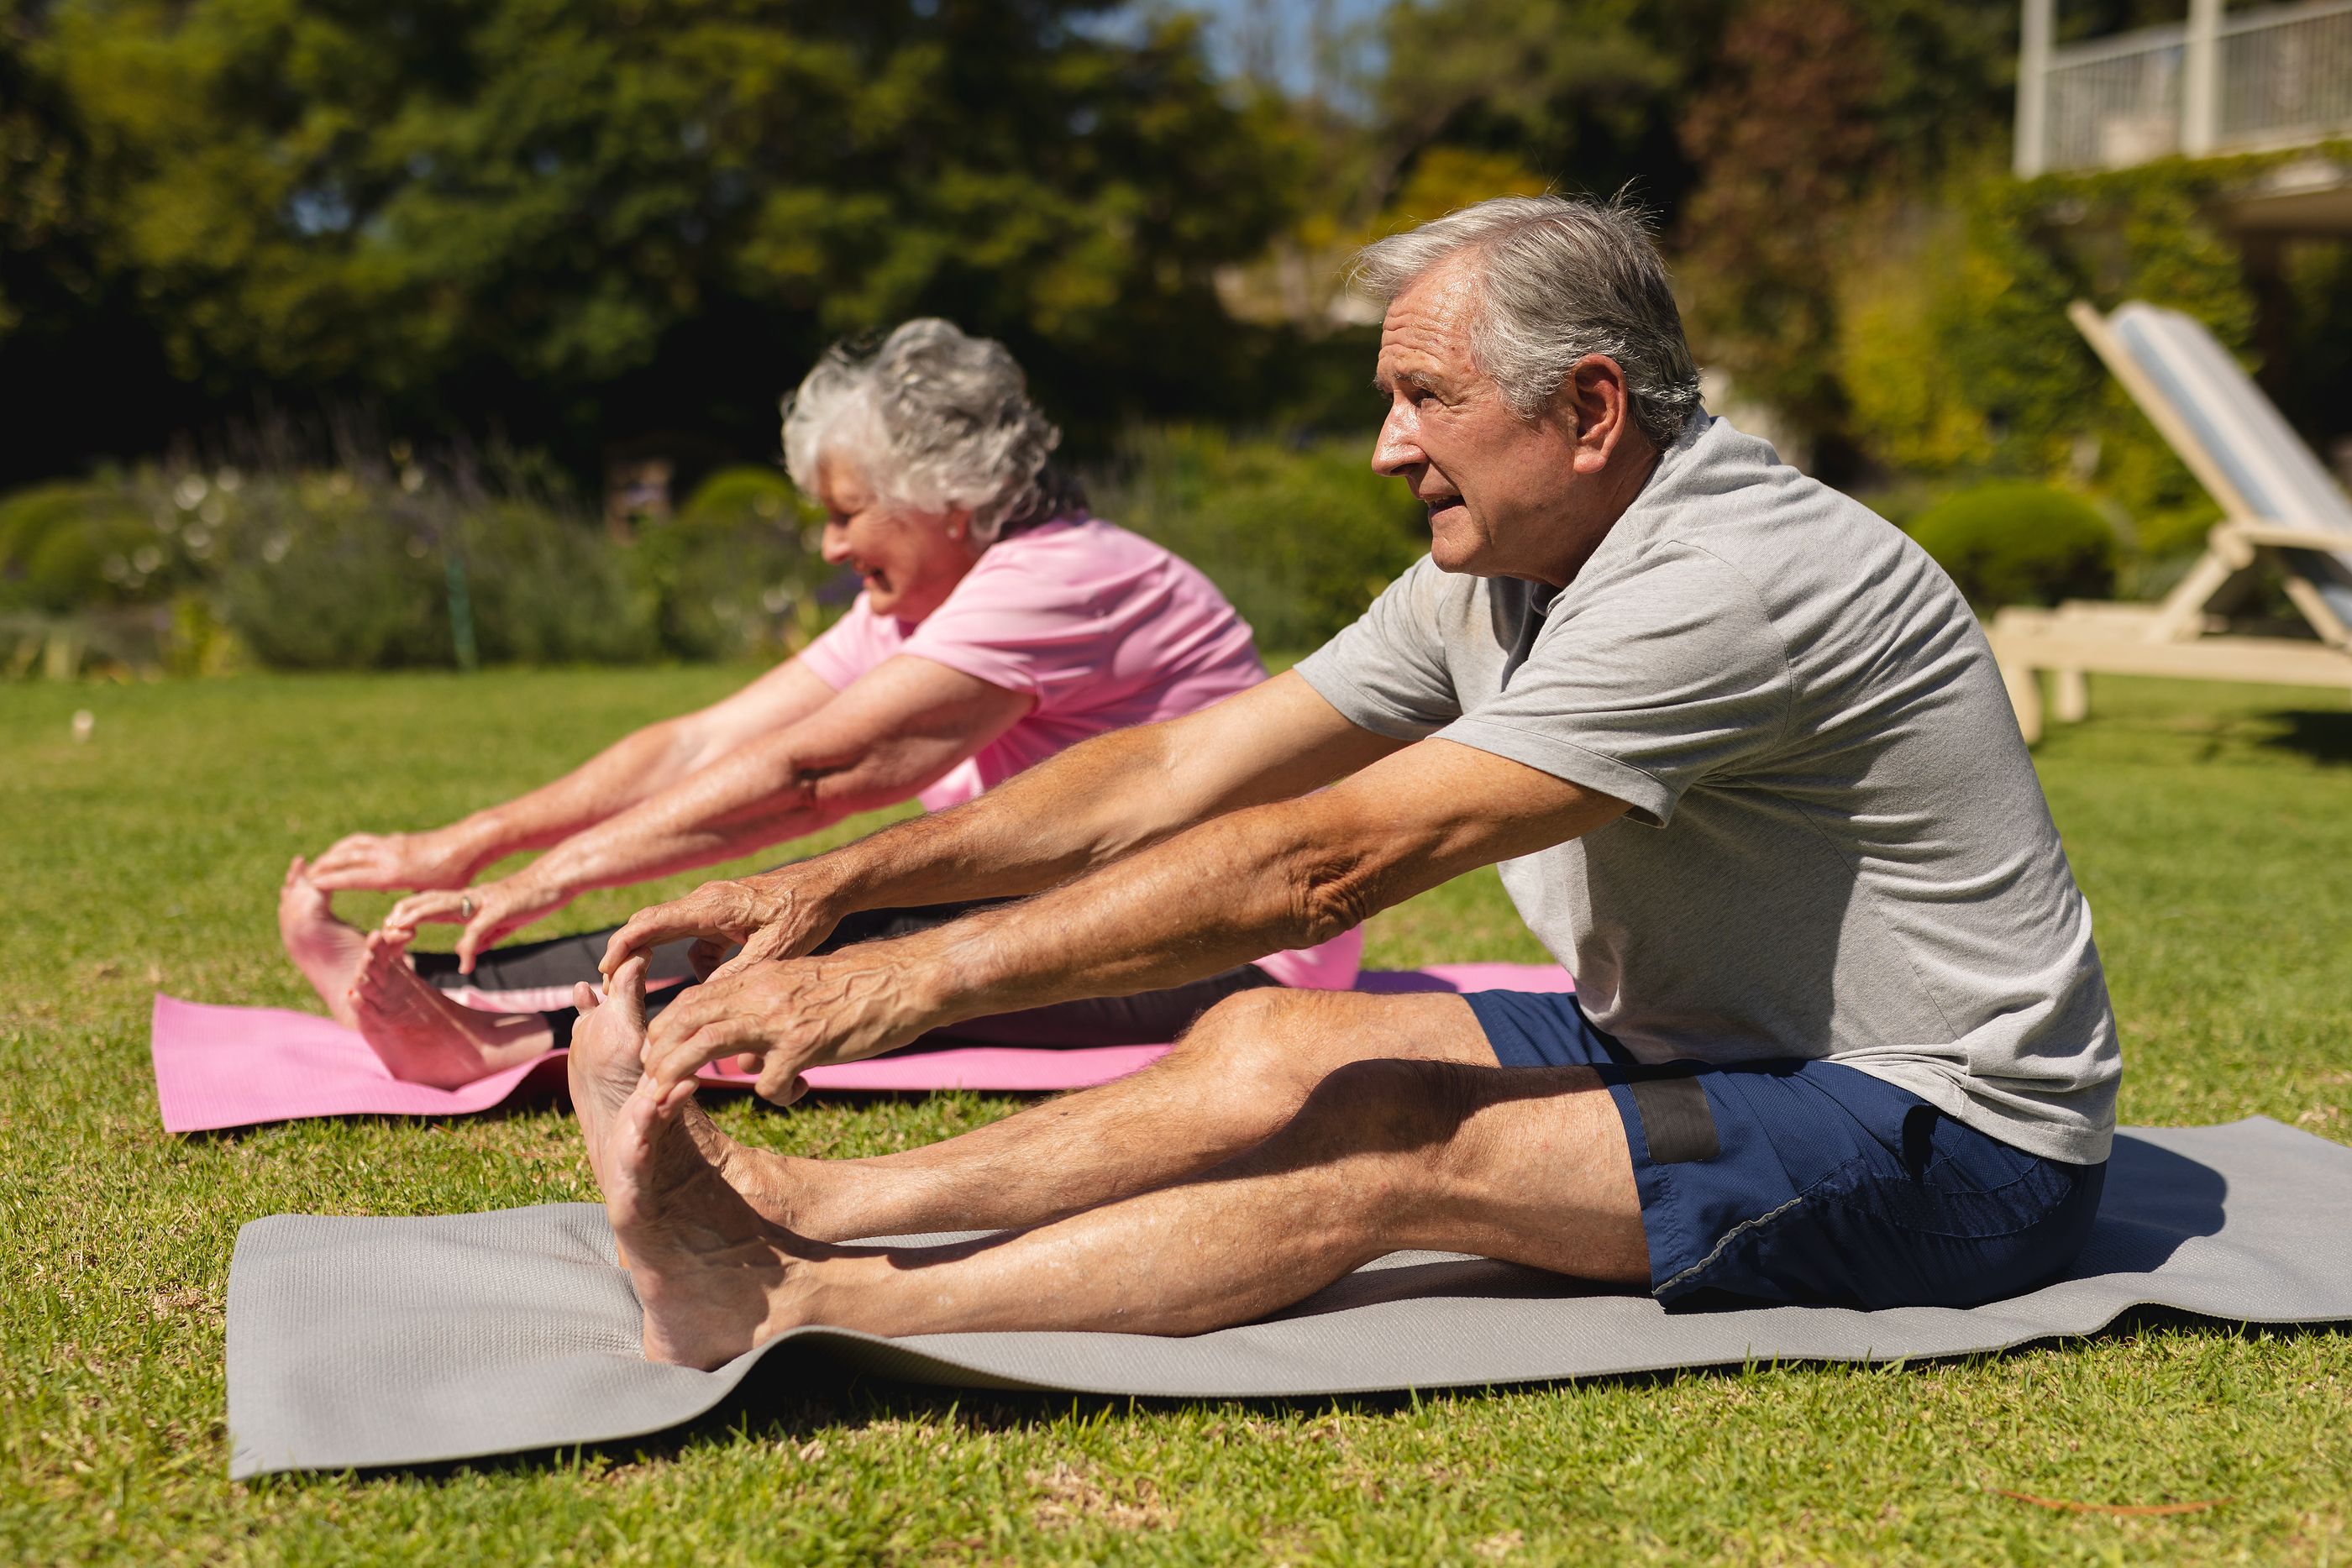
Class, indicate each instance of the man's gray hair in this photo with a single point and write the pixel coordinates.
(1559, 278)
(934, 421)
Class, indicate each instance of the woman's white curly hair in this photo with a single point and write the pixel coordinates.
(933, 421)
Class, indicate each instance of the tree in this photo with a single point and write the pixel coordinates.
(582, 218)
(1581, 91)
(1790, 141)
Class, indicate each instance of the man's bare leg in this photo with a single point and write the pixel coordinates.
(1524, 1165)
(1237, 1076)
(423, 1037)
(328, 951)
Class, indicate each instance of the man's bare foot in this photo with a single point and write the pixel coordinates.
(607, 1054)
(423, 1037)
(326, 951)
(714, 1278)
(607, 1059)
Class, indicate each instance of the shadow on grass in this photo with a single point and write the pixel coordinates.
(789, 1402)
(2323, 736)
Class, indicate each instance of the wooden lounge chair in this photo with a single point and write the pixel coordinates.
(2285, 513)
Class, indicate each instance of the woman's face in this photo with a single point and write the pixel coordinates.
(909, 561)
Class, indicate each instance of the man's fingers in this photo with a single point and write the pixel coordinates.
(625, 942)
(647, 929)
(680, 1062)
(748, 1063)
(732, 967)
(706, 956)
(779, 1084)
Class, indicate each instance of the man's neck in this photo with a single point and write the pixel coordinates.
(1617, 488)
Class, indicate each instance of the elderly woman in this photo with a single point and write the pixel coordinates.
(999, 623)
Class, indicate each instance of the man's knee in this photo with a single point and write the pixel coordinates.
(1253, 1036)
(1387, 1105)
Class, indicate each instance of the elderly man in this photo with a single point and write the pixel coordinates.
(1841, 1034)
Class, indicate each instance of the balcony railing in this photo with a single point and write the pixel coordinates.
(2277, 76)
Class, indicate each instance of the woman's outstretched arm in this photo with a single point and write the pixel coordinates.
(630, 770)
(895, 730)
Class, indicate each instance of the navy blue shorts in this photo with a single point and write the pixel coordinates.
(1806, 1181)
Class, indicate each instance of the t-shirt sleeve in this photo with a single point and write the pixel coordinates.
(846, 648)
(1387, 671)
(1017, 628)
(1673, 675)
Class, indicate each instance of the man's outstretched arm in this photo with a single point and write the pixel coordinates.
(1094, 803)
(1280, 875)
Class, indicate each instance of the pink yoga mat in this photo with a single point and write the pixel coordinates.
(233, 1067)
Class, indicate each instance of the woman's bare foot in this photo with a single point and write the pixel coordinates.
(423, 1037)
(714, 1278)
(326, 951)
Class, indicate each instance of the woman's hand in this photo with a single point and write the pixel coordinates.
(488, 912)
(778, 914)
(442, 858)
(783, 1016)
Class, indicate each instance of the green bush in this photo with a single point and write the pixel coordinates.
(1958, 358)
(320, 572)
(2020, 544)
(83, 546)
(547, 588)
(736, 571)
(1300, 538)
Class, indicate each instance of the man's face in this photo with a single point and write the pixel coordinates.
(1501, 488)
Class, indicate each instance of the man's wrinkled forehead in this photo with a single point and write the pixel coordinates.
(1425, 333)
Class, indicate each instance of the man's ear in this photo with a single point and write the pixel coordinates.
(1600, 407)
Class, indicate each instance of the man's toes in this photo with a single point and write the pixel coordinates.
(627, 986)
(583, 997)
(628, 1157)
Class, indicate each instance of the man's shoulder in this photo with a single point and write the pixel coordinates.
(1727, 496)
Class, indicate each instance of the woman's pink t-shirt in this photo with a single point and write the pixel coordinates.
(1104, 630)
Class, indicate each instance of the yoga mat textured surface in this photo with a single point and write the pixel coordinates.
(237, 1067)
(356, 1343)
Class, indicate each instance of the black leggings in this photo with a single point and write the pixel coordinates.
(1146, 1019)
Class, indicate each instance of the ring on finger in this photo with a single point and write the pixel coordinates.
(466, 907)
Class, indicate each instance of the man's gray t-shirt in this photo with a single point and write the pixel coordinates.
(1837, 847)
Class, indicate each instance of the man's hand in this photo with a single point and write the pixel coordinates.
(442, 858)
(780, 913)
(488, 912)
(780, 1018)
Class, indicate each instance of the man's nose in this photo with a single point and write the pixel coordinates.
(1399, 446)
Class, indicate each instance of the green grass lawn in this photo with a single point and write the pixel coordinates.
(2211, 826)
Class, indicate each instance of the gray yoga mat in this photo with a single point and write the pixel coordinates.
(357, 1342)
